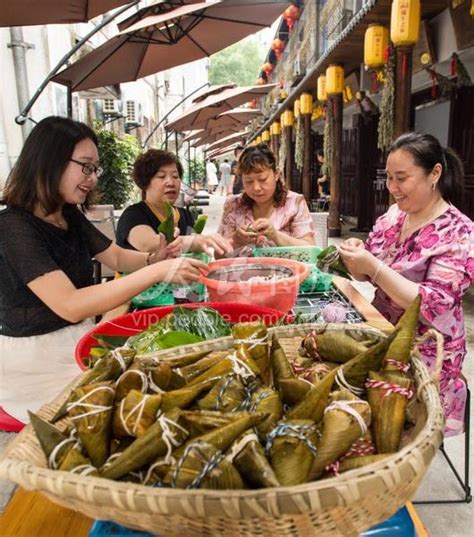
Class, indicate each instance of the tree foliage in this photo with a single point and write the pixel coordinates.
(240, 63)
(117, 155)
(197, 170)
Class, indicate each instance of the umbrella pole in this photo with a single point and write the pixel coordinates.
(23, 115)
(166, 116)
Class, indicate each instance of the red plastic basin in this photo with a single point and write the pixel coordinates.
(278, 294)
(131, 324)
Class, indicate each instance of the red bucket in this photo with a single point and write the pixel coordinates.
(131, 324)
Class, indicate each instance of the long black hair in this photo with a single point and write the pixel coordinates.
(45, 155)
(427, 152)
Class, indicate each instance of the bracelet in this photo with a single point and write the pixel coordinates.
(148, 258)
(377, 272)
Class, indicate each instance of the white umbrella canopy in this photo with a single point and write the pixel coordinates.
(211, 137)
(162, 41)
(198, 115)
(223, 151)
(30, 12)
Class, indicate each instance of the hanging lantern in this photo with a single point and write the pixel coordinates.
(278, 46)
(322, 96)
(291, 15)
(405, 22)
(317, 113)
(261, 81)
(275, 128)
(266, 136)
(296, 108)
(287, 119)
(306, 103)
(375, 44)
(258, 140)
(334, 79)
(267, 68)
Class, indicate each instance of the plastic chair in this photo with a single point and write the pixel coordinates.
(464, 483)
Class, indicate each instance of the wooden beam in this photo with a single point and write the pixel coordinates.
(307, 158)
(334, 221)
(402, 90)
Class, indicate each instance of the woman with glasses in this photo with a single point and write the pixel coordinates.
(47, 294)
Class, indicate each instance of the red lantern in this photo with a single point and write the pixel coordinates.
(291, 14)
(267, 68)
(261, 81)
(278, 46)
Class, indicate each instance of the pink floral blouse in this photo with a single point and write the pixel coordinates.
(293, 218)
(440, 258)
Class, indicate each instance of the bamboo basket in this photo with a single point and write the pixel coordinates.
(340, 506)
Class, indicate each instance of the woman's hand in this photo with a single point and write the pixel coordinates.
(244, 235)
(358, 260)
(159, 252)
(175, 248)
(356, 243)
(264, 226)
(182, 270)
(218, 243)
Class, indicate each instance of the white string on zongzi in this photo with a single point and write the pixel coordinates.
(240, 368)
(252, 341)
(168, 436)
(138, 372)
(294, 431)
(137, 409)
(237, 447)
(96, 409)
(343, 383)
(346, 406)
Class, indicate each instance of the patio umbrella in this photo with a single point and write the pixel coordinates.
(209, 138)
(29, 12)
(198, 115)
(227, 140)
(222, 151)
(158, 42)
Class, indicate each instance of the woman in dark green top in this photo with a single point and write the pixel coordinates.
(158, 174)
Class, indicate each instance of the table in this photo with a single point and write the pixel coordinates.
(31, 514)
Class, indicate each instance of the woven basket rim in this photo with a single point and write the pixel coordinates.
(156, 500)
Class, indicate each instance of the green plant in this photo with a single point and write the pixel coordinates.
(197, 170)
(117, 155)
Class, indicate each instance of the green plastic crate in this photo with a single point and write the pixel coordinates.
(163, 294)
(316, 281)
(304, 254)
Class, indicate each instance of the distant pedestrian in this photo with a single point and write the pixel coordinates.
(211, 176)
(224, 185)
(235, 178)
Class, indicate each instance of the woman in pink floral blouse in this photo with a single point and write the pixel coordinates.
(423, 245)
(266, 213)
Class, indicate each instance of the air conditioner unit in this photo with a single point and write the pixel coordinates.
(134, 114)
(112, 107)
(299, 68)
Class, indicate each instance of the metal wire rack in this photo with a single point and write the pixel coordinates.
(309, 306)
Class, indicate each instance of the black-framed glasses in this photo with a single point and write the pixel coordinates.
(88, 168)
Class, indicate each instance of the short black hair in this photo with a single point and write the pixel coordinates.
(45, 155)
(147, 164)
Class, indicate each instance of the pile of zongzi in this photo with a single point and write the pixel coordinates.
(244, 418)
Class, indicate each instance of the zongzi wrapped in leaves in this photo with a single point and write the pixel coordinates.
(54, 443)
(185, 396)
(293, 391)
(75, 461)
(388, 396)
(227, 394)
(164, 378)
(291, 447)
(132, 379)
(399, 352)
(281, 367)
(202, 421)
(329, 260)
(167, 432)
(267, 401)
(192, 371)
(203, 466)
(135, 414)
(91, 409)
(110, 367)
(248, 456)
(346, 419)
(254, 338)
(331, 345)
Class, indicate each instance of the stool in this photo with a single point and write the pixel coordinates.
(465, 485)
